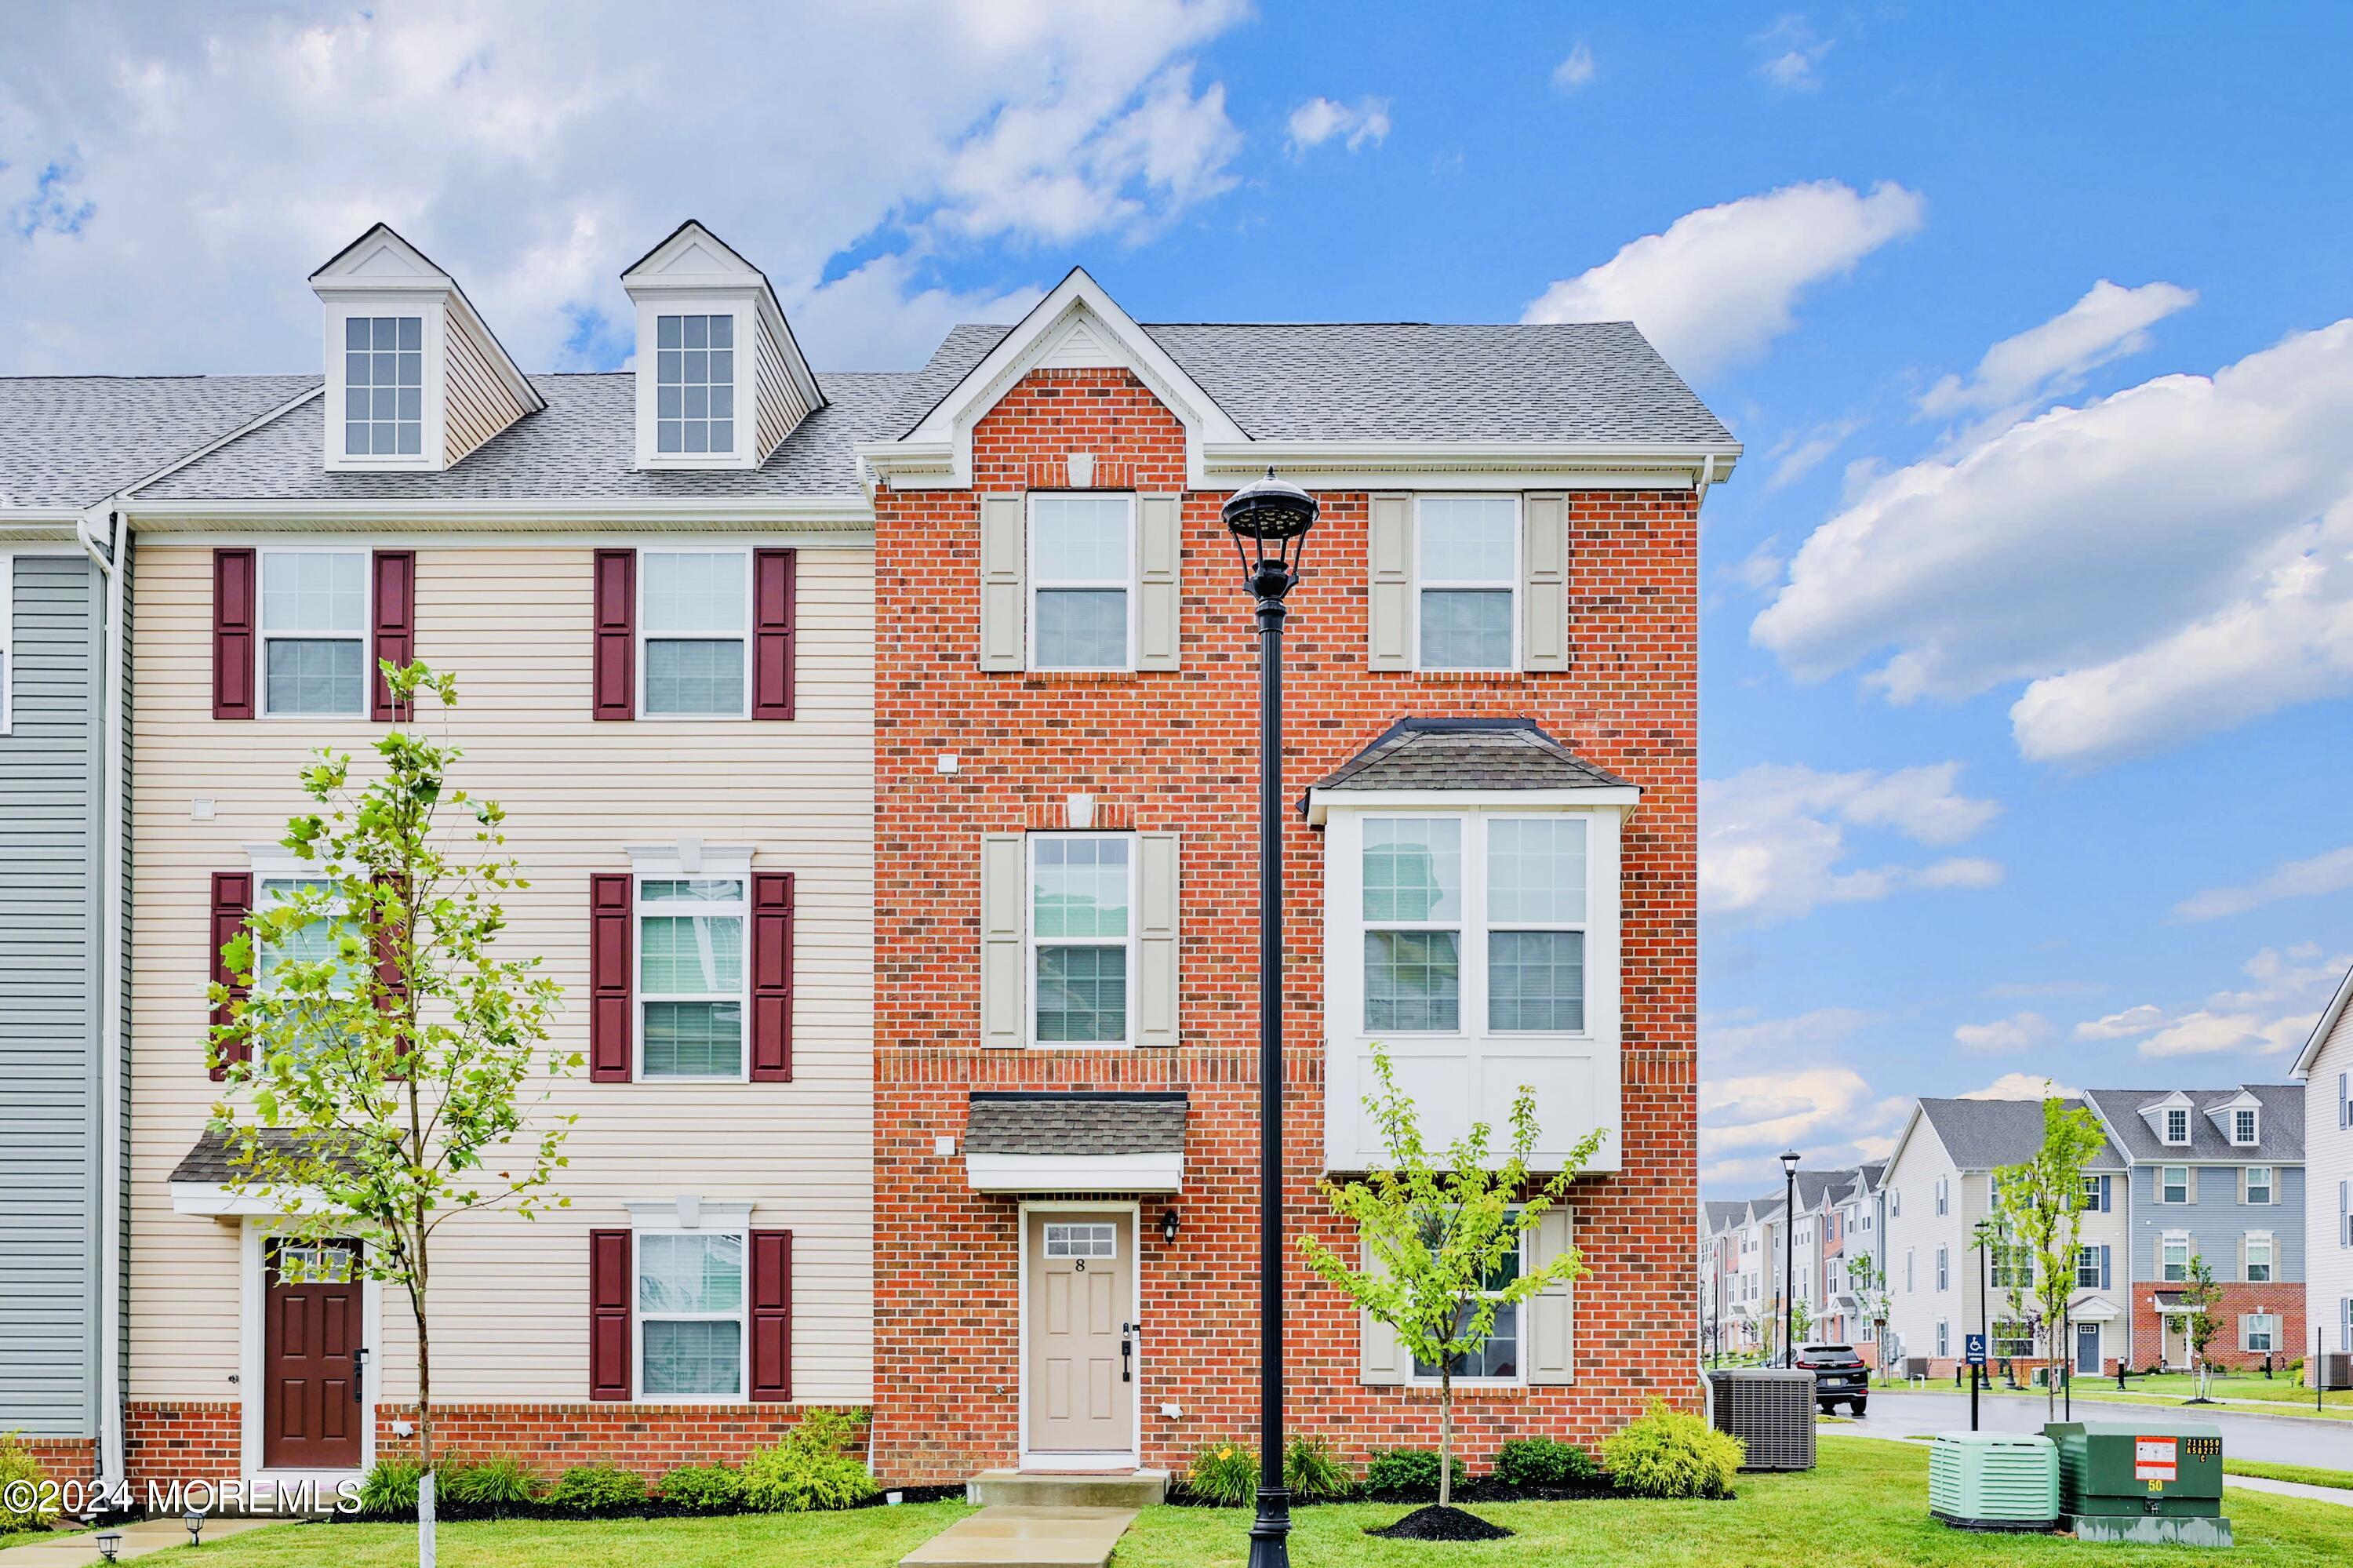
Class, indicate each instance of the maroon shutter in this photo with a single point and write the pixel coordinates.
(771, 1315)
(773, 602)
(232, 902)
(608, 1314)
(772, 977)
(615, 672)
(610, 977)
(235, 611)
(393, 997)
(395, 629)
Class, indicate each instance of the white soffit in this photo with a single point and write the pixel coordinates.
(1045, 1173)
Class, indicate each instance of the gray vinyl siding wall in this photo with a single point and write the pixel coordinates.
(2216, 1220)
(49, 1016)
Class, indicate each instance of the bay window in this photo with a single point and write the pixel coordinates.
(690, 1302)
(1517, 919)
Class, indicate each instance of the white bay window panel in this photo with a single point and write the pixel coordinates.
(695, 611)
(1082, 581)
(690, 1302)
(314, 631)
(691, 977)
(1467, 582)
(1481, 948)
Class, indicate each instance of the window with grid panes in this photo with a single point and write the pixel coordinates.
(690, 968)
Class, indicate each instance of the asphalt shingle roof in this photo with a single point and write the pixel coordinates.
(72, 441)
(209, 1162)
(1466, 754)
(1076, 1122)
(2280, 1126)
(1980, 1135)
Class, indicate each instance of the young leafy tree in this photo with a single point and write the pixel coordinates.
(2204, 1297)
(2039, 1205)
(383, 1072)
(1867, 1283)
(1439, 1231)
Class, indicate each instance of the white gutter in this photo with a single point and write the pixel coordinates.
(110, 972)
(846, 513)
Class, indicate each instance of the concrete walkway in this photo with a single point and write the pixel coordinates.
(1018, 1535)
(138, 1540)
(2309, 1493)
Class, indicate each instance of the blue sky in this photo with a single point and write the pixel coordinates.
(2029, 635)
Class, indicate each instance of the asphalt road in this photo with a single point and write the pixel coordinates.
(2274, 1439)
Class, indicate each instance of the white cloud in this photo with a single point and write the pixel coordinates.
(1828, 1114)
(2019, 1032)
(1729, 1038)
(1720, 284)
(1798, 455)
(2025, 1086)
(537, 148)
(1575, 70)
(2330, 872)
(2143, 1019)
(2168, 561)
(1793, 55)
(1760, 570)
(1773, 838)
(1319, 119)
(2108, 323)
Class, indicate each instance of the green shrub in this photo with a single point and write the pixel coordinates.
(597, 1488)
(1670, 1454)
(502, 1482)
(703, 1488)
(809, 1471)
(22, 1476)
(389, 1491)
(1314, 1472)
(1544, 1462)
(1224, 1473)
(1411, 1472)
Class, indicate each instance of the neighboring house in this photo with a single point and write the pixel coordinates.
(2218, 1174)
(1754, 1247)
(1718, 1259)
(1854, 1206)
(1938, 1184)
(65, 564)
(1492, 658)
(2325, 1068)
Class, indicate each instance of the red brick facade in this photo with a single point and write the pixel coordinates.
(183, 1440)
(2283, 1301)
(63, 1459)
(1177, 751)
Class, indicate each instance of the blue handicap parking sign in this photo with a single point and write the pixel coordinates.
(1974, 1349)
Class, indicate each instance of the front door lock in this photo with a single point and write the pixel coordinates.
(1127, 1332)
(359, 1375)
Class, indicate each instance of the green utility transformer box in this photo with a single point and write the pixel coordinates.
(2146, 1481)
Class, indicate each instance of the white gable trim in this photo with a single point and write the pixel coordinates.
(1081, 323)
(693, 260)
(2309, 1057)
(381, 263)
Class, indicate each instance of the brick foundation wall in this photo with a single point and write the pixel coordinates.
(2284, 1300)
(183, 1440)
(63, 1458)
(1177, 751)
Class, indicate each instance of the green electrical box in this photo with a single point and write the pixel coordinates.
(2153, 1479)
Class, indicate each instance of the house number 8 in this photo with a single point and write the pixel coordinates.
(1081, 1266)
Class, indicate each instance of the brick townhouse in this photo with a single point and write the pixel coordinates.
(1491, 723)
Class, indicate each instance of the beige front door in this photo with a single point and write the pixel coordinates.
(1080, 1354)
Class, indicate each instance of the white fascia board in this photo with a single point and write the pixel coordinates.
(217, 1202)
(2309, 1057)
(1515, 465)
(2098, 1309)
(844, 514)
(1613, 796)
(45, 524)
(653, 275)
(1075, 1172)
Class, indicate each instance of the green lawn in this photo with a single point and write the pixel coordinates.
(2171, 1390)
(1865, 1507)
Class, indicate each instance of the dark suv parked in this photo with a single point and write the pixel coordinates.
(1839, 1376)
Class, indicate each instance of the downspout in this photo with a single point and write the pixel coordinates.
(108, 558)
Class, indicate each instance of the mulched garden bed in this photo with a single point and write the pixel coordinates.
(1478, 1489)
(448, 1512)
(1436, 1523)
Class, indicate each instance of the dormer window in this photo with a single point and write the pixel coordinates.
(384, 385)
(2177, 1125)
(2243, 1127)
(695, 370)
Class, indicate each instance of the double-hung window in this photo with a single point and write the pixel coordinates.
(1500, 897)
(1082, 594)
(1944, 1338)
(2177, 1125)
(1466, 578)
(2173, 1184)
(2259, 1332)
(2242, 1126)
(2012, 1340)
(1536, 924)
(2259, 1184)
(690, 977)
(1944, 1267)
(2091, 1193)
(695, 610)
(384, 385)
(1413, 924)
(2173, 1259)
(690, 1313)
(314, 631)
(1498, 1357)
(2087, 1266)
(2259, 1258)
(1081, 937)
(694, 384)
(2011, 1267)
(1944, 1195)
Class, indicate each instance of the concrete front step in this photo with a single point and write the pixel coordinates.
(1010, 1536)
(1040, 1488)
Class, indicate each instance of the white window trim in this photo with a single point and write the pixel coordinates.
(639, 911)
(2255, 1116)
(432, 434)
(638, 1317)
(2167, 1115)
(1053, 1460)
(1416, 1379)
(252, 1348)
(1417, 582)
(2171, 1239)
(644, 635)
(2162, 1184)
(1944, 1268)
(2271, 1185)
(1031, 942)
(2087, 1251)
(657, 303)
(2270, 1244)
(738, 347)
(1944, 1195)
(1038, 578)
(263, 636)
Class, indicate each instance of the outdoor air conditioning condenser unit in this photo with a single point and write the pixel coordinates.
(1993, 1480)
(1772, 1411)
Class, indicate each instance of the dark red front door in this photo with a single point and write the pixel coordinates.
(309, 1366)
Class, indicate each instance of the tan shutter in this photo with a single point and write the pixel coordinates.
(1159, 547)
(1383, 1362)
(1155, 930)
(2243, 1255)
(1004, 555)
(2189, 1180)
(1552, 1311)
(1004, 989)
(1389, 613)
(1544, 583)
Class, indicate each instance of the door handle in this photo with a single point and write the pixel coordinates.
(1127, 1352)
(359, 1375)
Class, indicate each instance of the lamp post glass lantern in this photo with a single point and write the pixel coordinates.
(1788, 1257)
(1268, 520)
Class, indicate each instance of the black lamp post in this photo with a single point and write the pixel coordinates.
(1789, 1258)
(1268, 520)
(1985, 1234)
